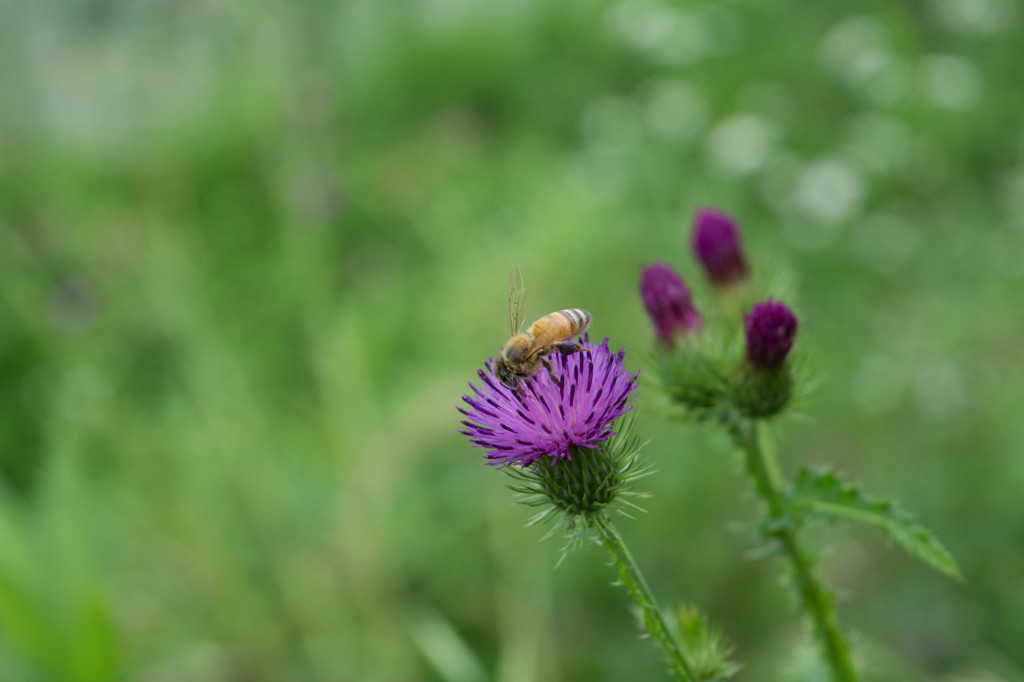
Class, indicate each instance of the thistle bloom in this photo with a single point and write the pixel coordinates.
(716, 243)
(668, 302)
(547, 418)
(771, 326)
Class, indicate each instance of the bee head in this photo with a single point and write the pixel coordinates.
(505, 374)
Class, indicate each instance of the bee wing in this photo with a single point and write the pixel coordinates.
(547, 332)
(516, 300)
(556, 327)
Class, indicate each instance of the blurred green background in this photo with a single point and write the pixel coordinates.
(250, 253)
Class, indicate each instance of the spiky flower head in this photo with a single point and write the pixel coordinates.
(563, 441)
(668, 302)
(549, 419)
(716, 243)
(771, 327)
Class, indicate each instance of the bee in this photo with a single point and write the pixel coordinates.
(524, 353)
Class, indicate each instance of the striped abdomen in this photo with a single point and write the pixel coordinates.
(559, 326)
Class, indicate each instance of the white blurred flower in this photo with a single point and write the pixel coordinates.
(672, 35)
(830, 191)
(857, 51)
(688, 40)
(950, 82)
(978, 17)
(881, 76)
(641, 25)
(850, 38)
(742, 143)
(677, 110)
(882, 143)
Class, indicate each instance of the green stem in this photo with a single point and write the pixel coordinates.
(634, 582)
(816, 600)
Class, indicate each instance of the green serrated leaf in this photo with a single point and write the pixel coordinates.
(823, 494)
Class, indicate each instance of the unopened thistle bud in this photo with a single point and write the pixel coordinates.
(668, 303)
(558, 438)
(771, 326)
(716, 244)
(765, 384)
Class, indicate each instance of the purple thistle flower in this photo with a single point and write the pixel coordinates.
(771, 326)
(548, 419)
(668, 302)
(716, 243)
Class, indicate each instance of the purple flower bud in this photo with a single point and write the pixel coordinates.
(668, 302)
(771, 327)
(716, 243)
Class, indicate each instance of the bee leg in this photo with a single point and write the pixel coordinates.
(551, 372)
(570, 347)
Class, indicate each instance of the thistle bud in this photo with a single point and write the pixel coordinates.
(716, 244)
(771, 326)
(668, 303)
(765, 384)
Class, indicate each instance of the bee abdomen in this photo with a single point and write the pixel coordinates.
(578, 320)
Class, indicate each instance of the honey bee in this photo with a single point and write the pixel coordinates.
(524, 353)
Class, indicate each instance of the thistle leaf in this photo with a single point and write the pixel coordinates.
(822, 494)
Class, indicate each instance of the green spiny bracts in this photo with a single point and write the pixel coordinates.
(587, 481)
(759, 394)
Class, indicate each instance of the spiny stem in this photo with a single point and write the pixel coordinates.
(634, 582)
(816, 600)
